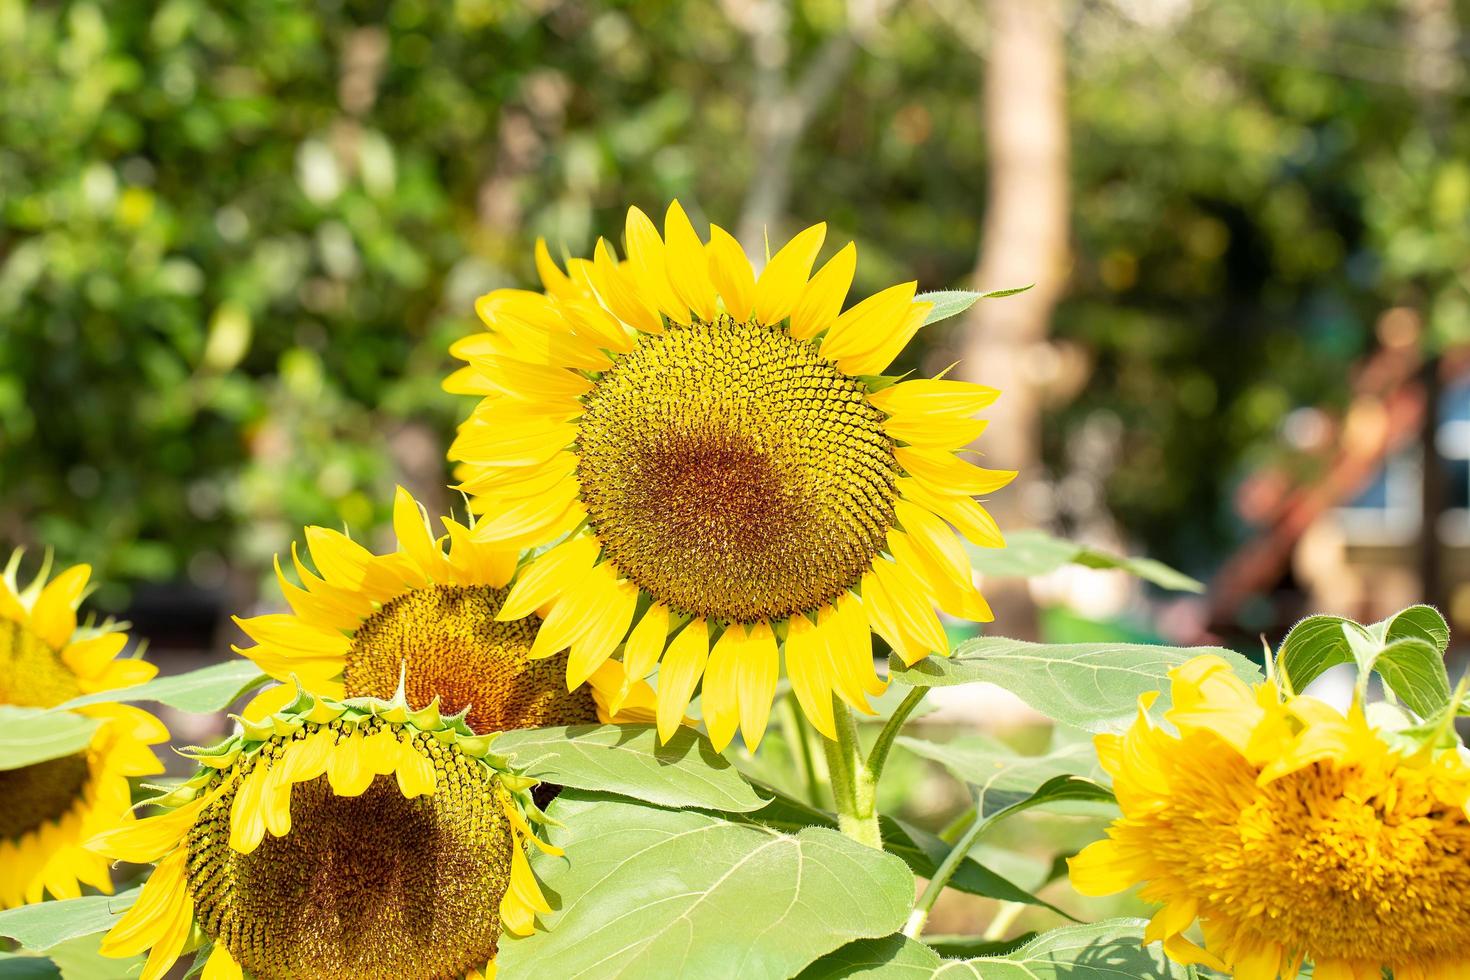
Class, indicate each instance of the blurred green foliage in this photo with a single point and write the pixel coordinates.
(237, 239)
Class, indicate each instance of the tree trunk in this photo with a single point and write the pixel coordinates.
(1024, 240)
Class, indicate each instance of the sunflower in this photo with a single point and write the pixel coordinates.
(51, 807)
(723, 462)
(426, 613)
(335, 839)
(1292, 832)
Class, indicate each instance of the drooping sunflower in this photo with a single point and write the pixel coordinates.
(426, 614)
(1292, 832)
(50, 808)
(716, 456)
(335, 840)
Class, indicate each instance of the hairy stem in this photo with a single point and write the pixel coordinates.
(853, 788)
(944, 873)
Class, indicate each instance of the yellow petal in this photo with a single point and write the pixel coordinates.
(731, 274)
(415, 771)
(646, 261)
(869, 324)
(620, 295)
(269, 701)
(54, 616)
(556, 282)
(821, 301)
(221, 965)
(247, 812)
(683, 664)
(756, 669)
(934, 397)
(720, 700)
(642, 650)
(548, 575)
(811, 680)
(147, 840)
(145, 923)
(410, 524)
(1103, 869)
(688, 265)
(593, 647)
(348, 770)
(876, 360)
(784, 278)
(942, 472)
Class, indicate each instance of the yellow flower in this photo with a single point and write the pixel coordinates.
(721, 461)
(426, 615)
(335, 839)
(1291, 832)
(51, 807)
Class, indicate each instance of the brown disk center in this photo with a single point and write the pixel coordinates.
(446, 640)
(373, 886)
(32, 795)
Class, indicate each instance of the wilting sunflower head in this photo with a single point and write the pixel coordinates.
(51, 807)
(719, 453)
(1292, 832)
(335, 840)
(426, 614)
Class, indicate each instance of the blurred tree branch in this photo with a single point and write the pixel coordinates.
(783, 107)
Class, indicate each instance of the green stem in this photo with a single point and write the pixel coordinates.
(944, 873)
(879, 756)
(799, 734)
(957, 826)
(853, 788)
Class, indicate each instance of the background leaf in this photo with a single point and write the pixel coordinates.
(1029, 553)
(42, 926)
(890, 958)
(922, 851)
(1092, 686)
(627, 760)
(1406, 650)
(1107, 950)
(649, 892)
(953, 302)
(1004, 778)
(32, 735)
(202, 691)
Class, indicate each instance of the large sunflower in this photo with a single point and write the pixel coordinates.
(1291, 832)
(426, 615)
(723, 462)
(335, 840)
(51, 807)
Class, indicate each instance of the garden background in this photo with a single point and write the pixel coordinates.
(237, 239)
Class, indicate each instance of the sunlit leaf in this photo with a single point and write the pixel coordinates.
(1407, 651)
(203, 691)
(628, 760)
(1093, 686)
(32, 735)
(1109, 950)
(1029, 553)
(649, 892)
(47, 924)
(953, 302)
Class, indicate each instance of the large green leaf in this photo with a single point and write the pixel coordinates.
(32, 735)
(1407, 650)
(953, 302)
(890, 958)
(1109, 950)
(1029, 553)
(649, 892)
(1093, 686)
(922, 851)
(203, 691)
(47, 924)
(81, 959)
(627, 759)
(1003, 778)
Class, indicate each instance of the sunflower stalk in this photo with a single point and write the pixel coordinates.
(952, 861)
(854, 789)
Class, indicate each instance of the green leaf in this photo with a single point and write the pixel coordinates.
(1406, 650)
(19, 966)
(648, 892)
(47, 924)
(1004, 779)
(1108, 950)
(32, 735)
(627, 760)
(1029, 553)
(1093, 686)
(890, 958)
(202, 691)
(82, 959)
(953, 302)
